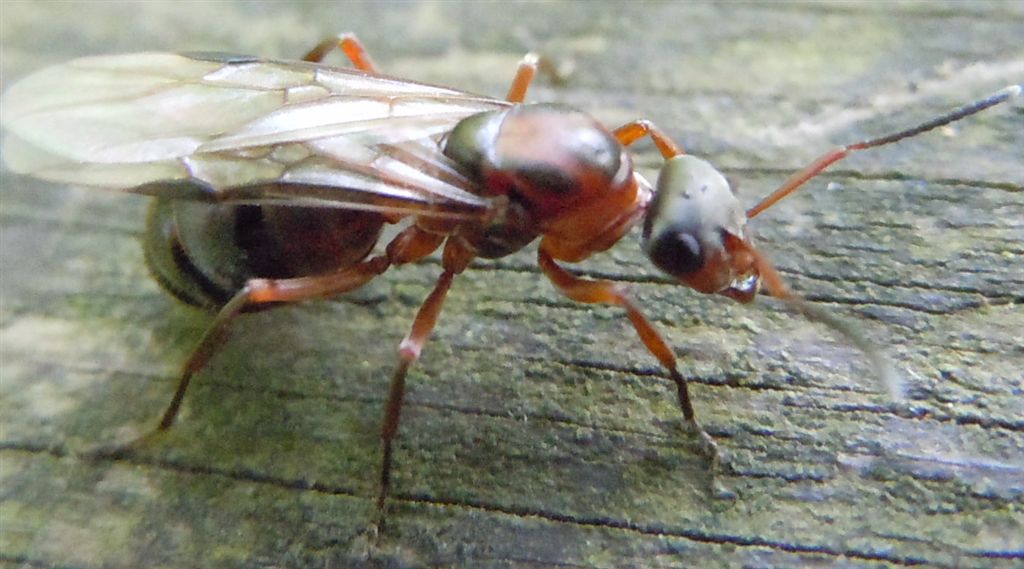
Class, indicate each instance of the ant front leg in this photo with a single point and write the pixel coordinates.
(635, 130)
(608, 292)
(350, 45)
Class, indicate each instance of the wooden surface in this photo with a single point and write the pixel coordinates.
(539, 433)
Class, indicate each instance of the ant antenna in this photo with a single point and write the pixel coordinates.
(883, 367)
(825, 160)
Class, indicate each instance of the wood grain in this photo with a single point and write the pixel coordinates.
(538, 432)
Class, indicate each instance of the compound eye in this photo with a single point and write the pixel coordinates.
(676, 252)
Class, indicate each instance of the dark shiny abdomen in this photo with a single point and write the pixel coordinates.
(204, 253)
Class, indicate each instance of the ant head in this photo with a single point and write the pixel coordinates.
(694, 231)
(694, 228)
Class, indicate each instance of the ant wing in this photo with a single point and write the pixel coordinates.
(240, 129)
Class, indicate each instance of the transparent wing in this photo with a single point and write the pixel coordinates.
(243, 129)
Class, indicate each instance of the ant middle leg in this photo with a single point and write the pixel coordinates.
(454, 260)
(529, 66)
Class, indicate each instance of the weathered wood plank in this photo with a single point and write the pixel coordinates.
(538, 432)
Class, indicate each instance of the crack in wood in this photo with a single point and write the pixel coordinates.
(653, 530)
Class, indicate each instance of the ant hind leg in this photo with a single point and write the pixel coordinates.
(255, 292)
(350, 45)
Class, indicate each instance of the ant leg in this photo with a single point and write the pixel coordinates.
(409, 245)
(608, 292)
(635, 130)
(408, 352)
(527, 71)
(454, 261)
(350, 45)
(261, 291)
(255, 291)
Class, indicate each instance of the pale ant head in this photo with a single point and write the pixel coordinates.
(695, 231)
(694, 227)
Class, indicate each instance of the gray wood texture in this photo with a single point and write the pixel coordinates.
(539, 432)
